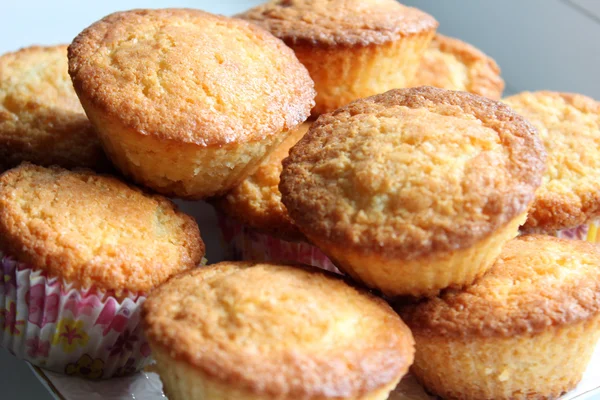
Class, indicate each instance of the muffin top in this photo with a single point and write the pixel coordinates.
(537, 283)
(41, 119)
(453, 64)
(256, 202)
(289, 332)
(146, 70)
(412, 171)
(569, 126)
(93, 230)
(339, 22)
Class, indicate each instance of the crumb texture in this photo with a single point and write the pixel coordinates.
(339, 22)
(412, 171)
(538, 282)
(452, 64)
(279, 331)
(146, 69)
(569, 126)
(41, 119)
(93, 230)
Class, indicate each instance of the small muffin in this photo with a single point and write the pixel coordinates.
(256, 202)
(413, 190)
(525, 330)
(78, 254)
(352, 48)
(453, 64)
(255, 224)
(185, 119)
(268, 331)
(41, 119)
(569, 126)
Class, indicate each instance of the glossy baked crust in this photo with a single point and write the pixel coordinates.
(569, 126)
(41, 119)
(539, 282)
(279, 331)
(452, 64)
(256, 202)
(412, 172)
(94, 230)
(339, 22)
(146, 69)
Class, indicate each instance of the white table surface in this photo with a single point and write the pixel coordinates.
(26, 22)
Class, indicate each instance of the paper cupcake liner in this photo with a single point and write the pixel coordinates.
(588, 232)
(87, 333)
(244, 243)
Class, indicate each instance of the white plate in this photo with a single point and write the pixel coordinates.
(147, 386)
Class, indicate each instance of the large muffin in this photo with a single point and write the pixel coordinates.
(414, 190)
(452, 64)
(185, 119)
(41, 119)
(269, 331)
(525, 330)
(569, 126)
(78, 254)
(352, 48)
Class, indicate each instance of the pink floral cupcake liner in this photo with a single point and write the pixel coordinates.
(244, 243)
(588, 232)
(90, 334)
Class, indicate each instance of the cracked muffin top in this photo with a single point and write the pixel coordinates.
(537, 282)
(412, 171)
(94, 231)
(257, 201)
(146, 69)
(452, 64)
(339, 22)
(569, 126)
(41, 119)
(290, 331)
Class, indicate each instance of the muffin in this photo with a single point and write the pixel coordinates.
(452, 64)
(187, 120)
(78, 254)
(414, 190)
(525, 330)
(352, 48)
(255, 224)
(568, 202)
(41, 119)
(269, 331)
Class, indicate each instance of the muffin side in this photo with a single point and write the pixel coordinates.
(351, 48)
(41, 119)
(354, 347)
(526, 329)
(413, 180)
(225, 104)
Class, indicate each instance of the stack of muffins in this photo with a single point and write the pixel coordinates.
(342, 134)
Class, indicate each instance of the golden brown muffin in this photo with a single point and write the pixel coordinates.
(268, 331)
(352, 48)
(185, 119)
(452, 64)
(525, 330)
(413, 190)
(569, 126)
(256, 202)
(94, 231)
(41, 119)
